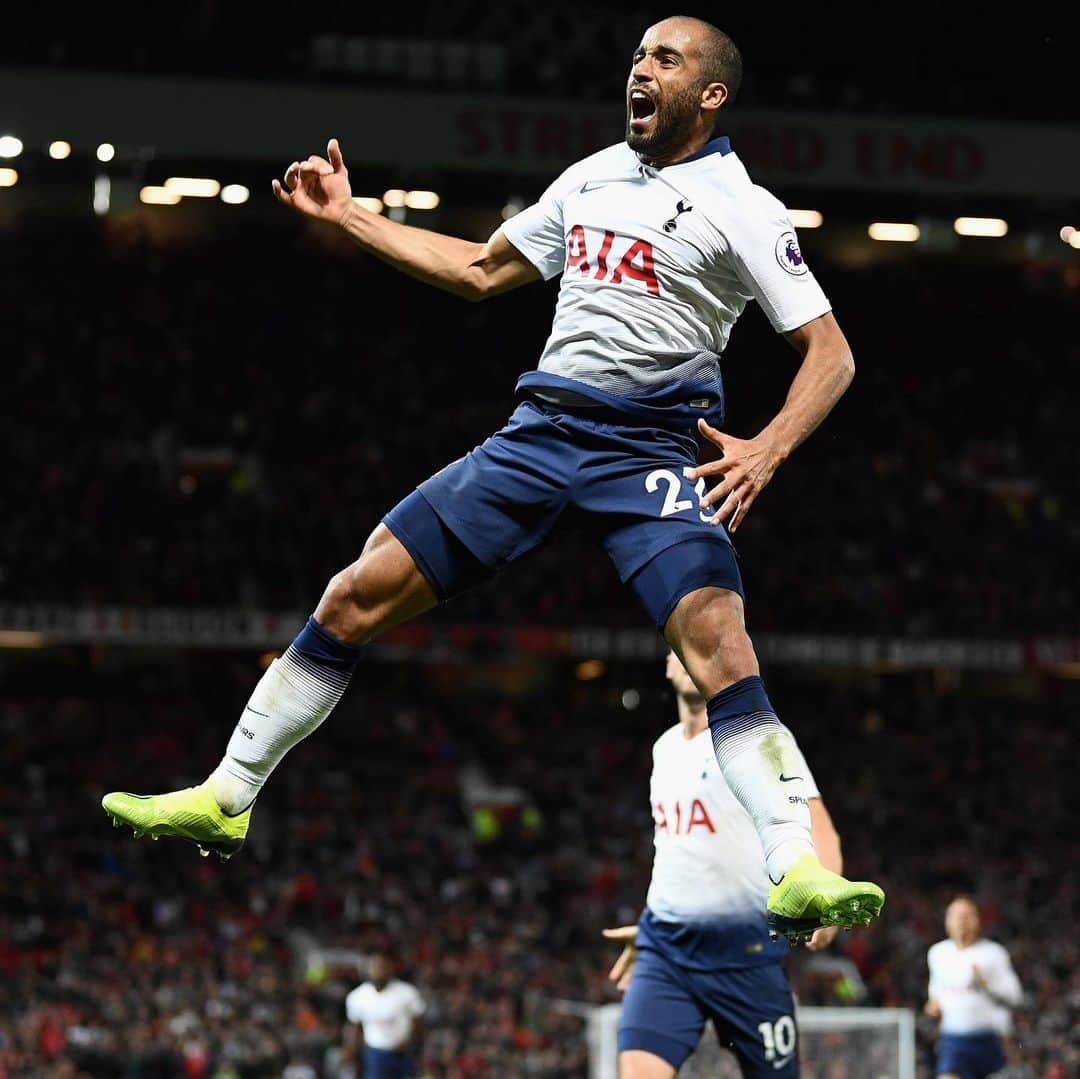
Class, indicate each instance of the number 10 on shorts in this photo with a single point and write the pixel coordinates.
(778, 1038)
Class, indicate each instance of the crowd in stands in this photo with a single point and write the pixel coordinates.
(222, 422)
(139, 960)
(824, 61)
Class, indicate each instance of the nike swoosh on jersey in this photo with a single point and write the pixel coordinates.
(788, 779)
(778, 1064)
(591, 186)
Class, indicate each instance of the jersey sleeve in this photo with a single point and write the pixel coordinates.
(1003, 980)
(932, 985)
(417, 1007)
(764, 253)
(538, 233)
(354, 1007)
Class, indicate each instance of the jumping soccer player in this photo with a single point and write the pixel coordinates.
(701, 950)
(972, 989)
(661, 241)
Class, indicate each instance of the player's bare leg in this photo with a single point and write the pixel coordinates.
(759, 759)
(297, 692)
(637, 1064)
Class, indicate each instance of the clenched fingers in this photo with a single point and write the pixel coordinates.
(280, 193)
(319, 166)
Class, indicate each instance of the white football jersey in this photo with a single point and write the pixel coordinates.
(964, 1008)
(657, 265)
(386, 1015)
(708, 864)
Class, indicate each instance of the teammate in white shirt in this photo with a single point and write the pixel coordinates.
(701, 950)
(387, 1014)
(972, 990)
(661, 241)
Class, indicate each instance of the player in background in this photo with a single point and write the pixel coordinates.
(386, 1014)
(701, 950)
(661, 242)
(972, 988)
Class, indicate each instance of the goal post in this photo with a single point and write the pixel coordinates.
(863, 1043)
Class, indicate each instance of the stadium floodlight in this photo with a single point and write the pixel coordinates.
(369, 202)
(194, 187)
(158, 196)
(514, 205)
(235, 194)
(10, 146)
(1074, 240)
(980, 226)
(806, 219)
(589, 669)
(1070, 235)
(21, 638)
(422, 200)
(59, 149)
(8, 177)
(106, 152)
(893, 232)
(394, 198)
(102, 194)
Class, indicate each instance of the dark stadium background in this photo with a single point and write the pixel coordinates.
(206, 408)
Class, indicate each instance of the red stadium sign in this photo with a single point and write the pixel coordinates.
(273, 122)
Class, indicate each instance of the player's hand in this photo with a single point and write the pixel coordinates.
(978, 979)
(822, 938)
(747, 465)
(317, 187)
(623, 969)
(933, 1009)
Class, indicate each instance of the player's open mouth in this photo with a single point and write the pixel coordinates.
(642, 108)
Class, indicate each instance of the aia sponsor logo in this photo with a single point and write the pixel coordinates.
(682, 821)
(634, 264)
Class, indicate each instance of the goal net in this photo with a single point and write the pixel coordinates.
(834, 1043)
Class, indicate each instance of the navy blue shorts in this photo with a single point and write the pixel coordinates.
(623, 482)
(970, 1056)
(383, 1064)
(752, 1010)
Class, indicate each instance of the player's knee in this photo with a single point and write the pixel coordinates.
(381, 588)
(350, 605)
(341, 610)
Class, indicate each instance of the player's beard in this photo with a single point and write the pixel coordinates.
(676, 116)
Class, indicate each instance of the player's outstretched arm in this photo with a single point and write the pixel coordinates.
(827, 845)
(319, 188)
(749, 463)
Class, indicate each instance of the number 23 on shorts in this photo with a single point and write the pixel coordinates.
(672, 483)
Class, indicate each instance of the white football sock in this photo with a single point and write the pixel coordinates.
(779, 809)
(765, 770)
(295, 694)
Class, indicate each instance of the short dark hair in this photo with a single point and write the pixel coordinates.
(721, 60)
